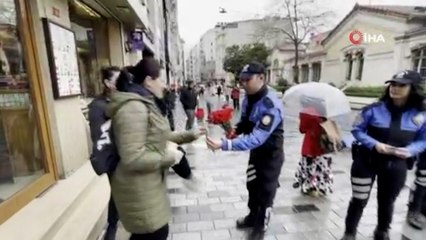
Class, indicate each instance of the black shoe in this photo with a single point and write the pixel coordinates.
(246, 222)
(416, 220)
(110, 232)
(348, 237)
(296, 185)
(380, 235)
(256, 234)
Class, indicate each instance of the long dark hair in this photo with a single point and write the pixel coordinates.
(124, 80)
(146, 67)
(415, 99)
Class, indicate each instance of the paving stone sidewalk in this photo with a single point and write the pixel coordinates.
(210, 214)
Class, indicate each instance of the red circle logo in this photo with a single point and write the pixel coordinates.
(355, 37)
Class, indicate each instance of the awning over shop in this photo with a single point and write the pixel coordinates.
(130, 12)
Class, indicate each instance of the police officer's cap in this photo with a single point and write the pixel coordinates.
(251, 69)
(406, 77)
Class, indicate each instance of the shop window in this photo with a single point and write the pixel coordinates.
(92, 45)
(22, 160)
(419, 61)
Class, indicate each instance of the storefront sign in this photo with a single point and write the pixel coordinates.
(63, 60)
(137, 40)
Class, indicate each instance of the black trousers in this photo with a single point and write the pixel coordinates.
(236, 103)
(391, 176)
(112, 218)
(262, 184)
(171, 119)
(418, 196)
(160, 234)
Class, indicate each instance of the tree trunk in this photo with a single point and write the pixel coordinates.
(296, 64)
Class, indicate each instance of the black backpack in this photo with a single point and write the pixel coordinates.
(104, 158)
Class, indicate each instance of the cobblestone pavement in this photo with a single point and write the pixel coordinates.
(211, 213)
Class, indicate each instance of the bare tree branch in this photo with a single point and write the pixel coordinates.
(301, 18)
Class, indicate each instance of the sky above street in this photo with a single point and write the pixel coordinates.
(198, 16)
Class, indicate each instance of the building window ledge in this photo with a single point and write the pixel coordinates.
(83, 197)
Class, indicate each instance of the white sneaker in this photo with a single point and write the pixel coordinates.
(193, 184)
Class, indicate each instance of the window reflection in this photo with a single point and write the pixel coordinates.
(20, 154)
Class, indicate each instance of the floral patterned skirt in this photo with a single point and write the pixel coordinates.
(314, 175)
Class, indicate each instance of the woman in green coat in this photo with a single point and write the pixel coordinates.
(147, 148)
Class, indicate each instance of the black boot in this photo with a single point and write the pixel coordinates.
(416, 220)
(256, 234)
(380, 235)
(110, 232)
(348, 237)
(246, 222)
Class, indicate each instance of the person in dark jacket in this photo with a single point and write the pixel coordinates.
(170, 99)
(188, 98)
(97, 117)
(235, 95)
(416, 216)
(389, 134)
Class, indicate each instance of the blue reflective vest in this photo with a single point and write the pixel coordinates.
(380, 122)
(266, 120)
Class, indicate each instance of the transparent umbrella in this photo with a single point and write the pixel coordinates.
(328, 101)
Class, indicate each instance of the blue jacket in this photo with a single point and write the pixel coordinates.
(266, 116)
(381, 122)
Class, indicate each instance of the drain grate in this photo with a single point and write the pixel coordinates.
(305, 208)
(283, 210)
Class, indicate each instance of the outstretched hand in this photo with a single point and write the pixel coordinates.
(200, 132)
(213, 144)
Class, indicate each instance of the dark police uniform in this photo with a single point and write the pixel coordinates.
(397, 127)
(417, 203)
(261, 127)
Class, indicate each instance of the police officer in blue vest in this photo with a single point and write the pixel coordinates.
(389, 134)
(261, 131)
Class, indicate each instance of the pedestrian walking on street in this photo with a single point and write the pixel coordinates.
(416, 215)
(170, 100)
(188, 98)
(235, 95)
(147, 148)
(227, 93)
(261, 127)
(314, 175)
(389, 134)
(210, 97)
(97, 116)
(219, 92)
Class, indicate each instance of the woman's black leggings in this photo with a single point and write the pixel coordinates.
(160, 234)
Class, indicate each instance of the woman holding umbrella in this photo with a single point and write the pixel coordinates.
(388, 135)
(316, 105)
(314, 174)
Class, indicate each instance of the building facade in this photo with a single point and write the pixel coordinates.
(51, 52)
(211, 49)
(369, 45)
(175, 45)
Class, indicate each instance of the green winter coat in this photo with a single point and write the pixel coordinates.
(138, 185)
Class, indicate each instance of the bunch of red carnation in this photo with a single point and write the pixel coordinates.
(222, 117)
